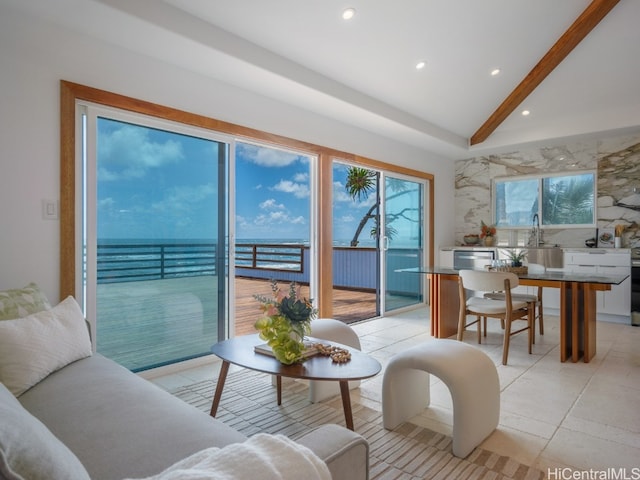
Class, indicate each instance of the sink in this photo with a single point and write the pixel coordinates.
(550, 257)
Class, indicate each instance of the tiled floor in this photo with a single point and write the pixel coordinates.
(553, 414)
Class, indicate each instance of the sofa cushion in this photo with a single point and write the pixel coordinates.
(36, 345)
(118, 424)
(20, 302)
(28, 450)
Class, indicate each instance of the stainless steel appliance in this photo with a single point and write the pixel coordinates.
(635, 287)
(470, 259)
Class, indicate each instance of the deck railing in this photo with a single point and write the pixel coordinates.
(355, 268)
(135, 262)
(270, 256)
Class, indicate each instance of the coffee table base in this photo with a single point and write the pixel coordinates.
(222, 377)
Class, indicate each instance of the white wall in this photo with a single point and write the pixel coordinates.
(35, 56)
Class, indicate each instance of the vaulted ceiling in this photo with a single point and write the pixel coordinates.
(575, 78)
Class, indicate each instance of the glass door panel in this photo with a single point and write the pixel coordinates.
(273, 225)
(356, 253)
(403, 241)
(158, 242)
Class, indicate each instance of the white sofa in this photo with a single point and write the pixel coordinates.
(92, 418)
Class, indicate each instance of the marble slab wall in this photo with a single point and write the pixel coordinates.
(616, 160)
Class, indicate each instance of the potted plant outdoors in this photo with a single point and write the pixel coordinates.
(516, 256)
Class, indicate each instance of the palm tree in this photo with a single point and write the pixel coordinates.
(361, 182)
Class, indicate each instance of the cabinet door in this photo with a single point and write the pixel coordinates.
(446, 258)
(616, 301)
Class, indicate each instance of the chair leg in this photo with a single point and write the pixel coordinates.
(507, 338)
(532, 326)
(485, 326)
(462, 320)
(531, 320)
(480, 328)
(540, 311)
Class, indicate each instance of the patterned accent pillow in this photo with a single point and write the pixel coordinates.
(20, 302)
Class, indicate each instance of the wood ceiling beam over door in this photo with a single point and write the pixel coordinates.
(586, 22)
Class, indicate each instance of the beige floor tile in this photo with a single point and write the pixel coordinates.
(607, 402)
(581, 451)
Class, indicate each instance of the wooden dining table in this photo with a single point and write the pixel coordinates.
(577, 305)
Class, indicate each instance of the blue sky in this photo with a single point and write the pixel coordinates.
(158, 185)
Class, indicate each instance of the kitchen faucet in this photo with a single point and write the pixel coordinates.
(536, 230)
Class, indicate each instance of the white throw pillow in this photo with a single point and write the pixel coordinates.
(28, 449)
(35, 346)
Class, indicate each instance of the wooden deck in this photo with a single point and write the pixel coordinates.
(150, 323)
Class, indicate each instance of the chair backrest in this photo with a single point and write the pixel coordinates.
(481, 281)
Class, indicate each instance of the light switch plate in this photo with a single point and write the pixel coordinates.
(49, 209)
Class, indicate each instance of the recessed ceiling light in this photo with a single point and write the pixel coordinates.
(495, 71)
(421, 64)
(348, 13)
(525, 112)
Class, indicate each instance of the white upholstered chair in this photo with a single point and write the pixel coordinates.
(506, 309)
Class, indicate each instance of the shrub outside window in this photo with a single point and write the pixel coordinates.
(560, 200)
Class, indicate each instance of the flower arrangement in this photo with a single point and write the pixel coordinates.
(487, 230)
(286, 320)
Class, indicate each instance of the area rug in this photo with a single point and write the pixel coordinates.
(249, 405)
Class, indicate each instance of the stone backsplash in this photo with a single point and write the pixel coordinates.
(616, 159)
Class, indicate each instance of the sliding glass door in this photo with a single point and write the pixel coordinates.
(155, 236)
(368, 253)
(403, 240)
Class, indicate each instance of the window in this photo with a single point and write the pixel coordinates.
(155, 236)
(559, 200)
(72, 273)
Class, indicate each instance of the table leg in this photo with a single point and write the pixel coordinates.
(589, 324)
(224, 369)
(346, 404)
(279, 388)
(576, 311)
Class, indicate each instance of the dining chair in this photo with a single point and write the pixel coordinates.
(506, 309)
(534, 301)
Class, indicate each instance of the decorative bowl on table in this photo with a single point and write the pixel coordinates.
(471, 239)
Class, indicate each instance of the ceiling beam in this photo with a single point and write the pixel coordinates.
(586, 22)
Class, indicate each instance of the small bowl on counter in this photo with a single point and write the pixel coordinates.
(471, 239)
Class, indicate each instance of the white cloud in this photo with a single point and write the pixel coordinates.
(265, 156)
(340, 194)
(182, 199)
(278, 218)
(106, 202)
(128, 152)
(297, 189)
(271, 204)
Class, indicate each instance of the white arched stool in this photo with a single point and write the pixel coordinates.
(469, 374)
(334, 331)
